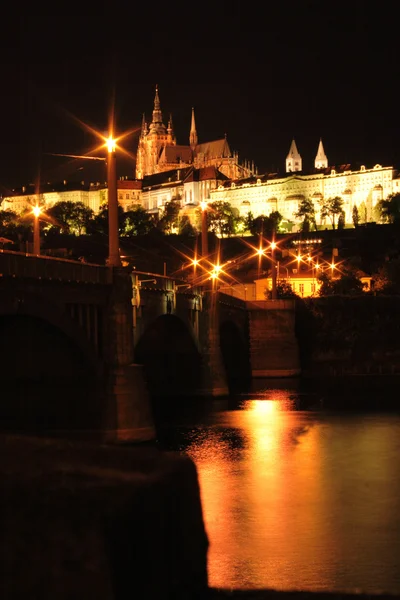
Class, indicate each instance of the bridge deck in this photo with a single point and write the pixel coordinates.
(18, 264)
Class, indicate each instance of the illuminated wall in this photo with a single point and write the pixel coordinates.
(284, 194)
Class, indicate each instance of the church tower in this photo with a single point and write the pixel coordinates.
(193, 140)
(321, 161)
(293, 159)
(152, 140)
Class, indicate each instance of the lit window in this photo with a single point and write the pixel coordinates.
(301, 288)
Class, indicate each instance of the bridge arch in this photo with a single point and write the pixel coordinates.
(235, 356)
(170, 358)
(35, 306)
(49, 373)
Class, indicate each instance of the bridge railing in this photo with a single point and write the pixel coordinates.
(17, 264)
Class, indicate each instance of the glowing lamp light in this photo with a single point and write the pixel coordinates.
(36, 211)
(261, 252)
(195, 262)
(332, 266)
(111, 145)
(203, 205)
(273, 245)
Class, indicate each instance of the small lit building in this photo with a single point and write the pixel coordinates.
(304, 283)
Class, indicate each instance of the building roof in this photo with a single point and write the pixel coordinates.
(165, 177)
(184, 175)
(48, 187)
(129, 184)
(215, 149)
(205, 174)
(176, 154)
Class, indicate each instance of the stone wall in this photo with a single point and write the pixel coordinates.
(273, 345)
(343, 335)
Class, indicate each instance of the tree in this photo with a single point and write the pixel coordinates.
(99, 223)
(306, 211)
(355, 216)
(283, 290)
(348, 284)
(8, 223)
(72, 217)
(222, 218)
(137, 221)
(186, 227)
(387, 279)
(331, 207)
(170, 217)
(264, 225)
(341, 220)
(388, 210)
(362, 209)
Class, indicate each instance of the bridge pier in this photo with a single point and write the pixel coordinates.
(274, 349)
(128, 415)
(214, 376)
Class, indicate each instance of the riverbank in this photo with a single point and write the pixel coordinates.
(82, 520)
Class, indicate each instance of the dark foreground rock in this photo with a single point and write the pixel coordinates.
(215, 594)
(80, 520)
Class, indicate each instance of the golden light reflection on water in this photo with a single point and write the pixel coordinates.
(271, 480)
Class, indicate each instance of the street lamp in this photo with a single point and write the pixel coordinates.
(273, 247)
(36, 230)
(114, 258)
(204, 232)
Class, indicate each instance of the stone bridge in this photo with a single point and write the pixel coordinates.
(83, 345)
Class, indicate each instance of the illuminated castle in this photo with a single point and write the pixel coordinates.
(158, 150)
(209, 171)
(361, 187)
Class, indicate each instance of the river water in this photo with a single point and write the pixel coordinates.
(298, 492)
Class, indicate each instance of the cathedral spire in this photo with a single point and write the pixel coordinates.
(293, 159)
(170, 128)
(321, 160)
(144, 125)
(193, 140)
(157, 116)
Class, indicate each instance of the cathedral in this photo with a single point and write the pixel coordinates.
(158, 150)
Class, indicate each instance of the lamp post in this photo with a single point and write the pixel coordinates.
(204, 232)
(114, 258)
(273, 246)
(36, 230)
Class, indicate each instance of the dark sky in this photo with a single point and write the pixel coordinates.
(261, 73)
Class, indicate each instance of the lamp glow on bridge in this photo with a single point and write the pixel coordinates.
(114, 258)
(36, 210)
(204, 228)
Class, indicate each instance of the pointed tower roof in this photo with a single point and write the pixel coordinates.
(157, 123)
(321, 160)
(293, 159)
(144, 125)
(193, 139)
(293, 152)
(170, 127)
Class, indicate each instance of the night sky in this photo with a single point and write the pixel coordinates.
(261, 74)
